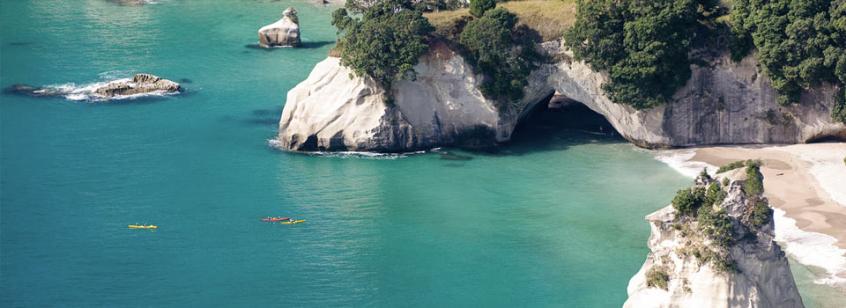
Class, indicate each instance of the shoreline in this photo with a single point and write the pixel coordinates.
(801, 183)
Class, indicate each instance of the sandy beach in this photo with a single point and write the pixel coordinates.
(806, 186)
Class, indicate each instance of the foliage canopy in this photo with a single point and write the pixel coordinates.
(642, 44)
(687, 201)
(800, 43)
(385, 42)
(479, 7)
(491, 44)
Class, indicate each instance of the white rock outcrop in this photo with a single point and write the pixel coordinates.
(332, 110)
(723, 103)
(283, 33)
(761, 278)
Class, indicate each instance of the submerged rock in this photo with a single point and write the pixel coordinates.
(724, 102)
(692, 265)
(283, 33)
(138, 85)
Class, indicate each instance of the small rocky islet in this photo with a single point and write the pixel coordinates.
(139, 85)
(283, 33)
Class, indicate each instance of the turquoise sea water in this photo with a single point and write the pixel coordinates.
(554, 220)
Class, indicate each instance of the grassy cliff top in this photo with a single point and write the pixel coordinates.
(550, 18)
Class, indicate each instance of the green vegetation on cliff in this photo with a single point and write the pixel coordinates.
(800, 44)
(385, 42)
(479, 7)
(702, 217)
(838, 113)
(754, 184)
(657, 278)
(492, 45)
(644, 45)
(495, 43)
(549, 18)
(688, 201)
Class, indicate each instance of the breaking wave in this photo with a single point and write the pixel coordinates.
(87, 92)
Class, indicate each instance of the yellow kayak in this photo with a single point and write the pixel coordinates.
(292, 222)
(143, 227)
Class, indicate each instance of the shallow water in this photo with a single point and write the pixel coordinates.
(550, 220)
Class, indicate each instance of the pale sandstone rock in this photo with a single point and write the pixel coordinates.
(763, 278)
(723, 103)
(340, 112)
(283, 33)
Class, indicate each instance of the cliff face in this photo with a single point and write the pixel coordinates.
(331, 110)
(683, 267)
(724, 102)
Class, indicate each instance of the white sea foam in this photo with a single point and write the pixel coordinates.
(370, 155)
(811, 248)
(680, 160)
(827, 167)
(86, 92)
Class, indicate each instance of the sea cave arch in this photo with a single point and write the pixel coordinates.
(557, 115)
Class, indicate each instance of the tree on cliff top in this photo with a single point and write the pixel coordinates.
(479, 7)
(497, 48)
(385, 42)
(800, 43)
(642, 44)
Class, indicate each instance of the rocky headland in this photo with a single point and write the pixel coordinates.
(714, 247)
(724, 102)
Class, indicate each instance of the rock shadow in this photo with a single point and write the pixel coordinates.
(303, 45)
(556, 125)
(266, 117)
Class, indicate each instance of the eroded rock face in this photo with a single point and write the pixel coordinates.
(331, 110)
(139, 84)
(761, 277)
(722, 103)
(283, 33)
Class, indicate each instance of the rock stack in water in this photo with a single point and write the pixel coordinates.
(139, 84)
(283, 33)
(713, 247)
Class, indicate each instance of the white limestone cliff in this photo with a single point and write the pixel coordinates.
(723, 103)
(331, 110)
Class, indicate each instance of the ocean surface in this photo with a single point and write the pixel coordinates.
(553, 219)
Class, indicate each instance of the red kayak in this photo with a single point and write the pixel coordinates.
(274, 219)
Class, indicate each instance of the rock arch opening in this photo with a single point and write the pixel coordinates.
(839, 136)
(559, 115)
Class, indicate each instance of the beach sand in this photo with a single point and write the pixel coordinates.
(806, 186)
(790, 185)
